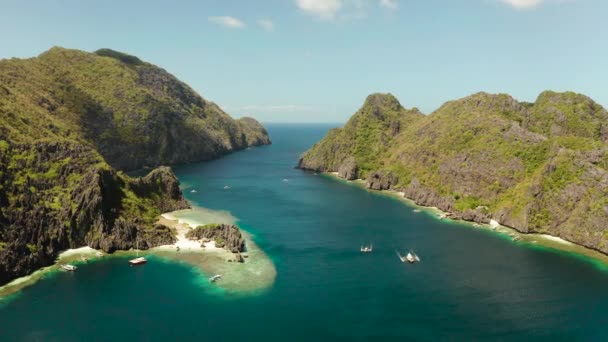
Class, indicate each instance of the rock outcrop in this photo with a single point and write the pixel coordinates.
(381, 180)
(226, 236)
(537, 167)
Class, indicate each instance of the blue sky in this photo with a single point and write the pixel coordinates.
(317, 60)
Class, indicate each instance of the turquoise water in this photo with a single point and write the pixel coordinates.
(471, 285)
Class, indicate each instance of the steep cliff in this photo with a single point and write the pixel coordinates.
(70, 123)
(537, 167)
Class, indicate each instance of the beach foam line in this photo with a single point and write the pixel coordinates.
(554, 239)
(77, 251)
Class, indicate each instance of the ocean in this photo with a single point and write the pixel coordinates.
(472, 284)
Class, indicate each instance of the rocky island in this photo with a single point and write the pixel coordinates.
(536, 167)
(71, 124)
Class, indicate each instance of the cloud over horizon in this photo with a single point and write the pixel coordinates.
(389, 4)
(523, 4)
(227, 21)
(322, 9)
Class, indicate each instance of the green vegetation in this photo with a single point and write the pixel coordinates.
(536, 166)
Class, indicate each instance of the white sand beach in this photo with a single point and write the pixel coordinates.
(82, 251)
(553, 238)
(183, 242)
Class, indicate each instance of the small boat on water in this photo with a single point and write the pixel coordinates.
(226, 187)
(68, 267)
(99, 254)
(367, 249)
(410, 257)
(416, 210)
(193, 191)
(138, 260)
(285, 180)
(215, 278)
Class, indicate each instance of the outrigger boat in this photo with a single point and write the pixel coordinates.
(411, 257)
(69, 267)
(367, 249)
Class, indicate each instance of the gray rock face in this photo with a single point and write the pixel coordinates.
(225, 235)
(427, 197)
(381, 180)
(348, 170)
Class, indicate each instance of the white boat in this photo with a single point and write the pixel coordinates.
(99, 254)
(226, 187)
(285, 180)
(411, 257)
(138, 260)
(215, 278)
(69, 267)
(193, 191)
(367, 249)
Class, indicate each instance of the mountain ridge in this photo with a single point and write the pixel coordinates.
(537, 167)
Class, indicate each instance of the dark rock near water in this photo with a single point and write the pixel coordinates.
(348, 170)
(226, 236)
(381, 180)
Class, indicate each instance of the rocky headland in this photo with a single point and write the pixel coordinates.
(535, 167)
(71, 124)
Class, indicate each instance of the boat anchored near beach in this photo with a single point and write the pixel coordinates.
(215, 278)
(138, 260)
(68, 267)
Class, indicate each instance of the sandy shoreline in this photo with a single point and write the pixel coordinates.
(183, 243)
(530, 239)
(256, 273)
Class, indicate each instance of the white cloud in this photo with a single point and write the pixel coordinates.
(523, 4)
(389, 4)
(266, 24)
(323, 9)
(227, 21)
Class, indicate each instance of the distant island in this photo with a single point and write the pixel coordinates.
(536, 167)
(71, 124)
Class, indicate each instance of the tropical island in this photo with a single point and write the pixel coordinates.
(535, 167)
(72, 123)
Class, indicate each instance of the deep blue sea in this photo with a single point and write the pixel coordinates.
(471, 284)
